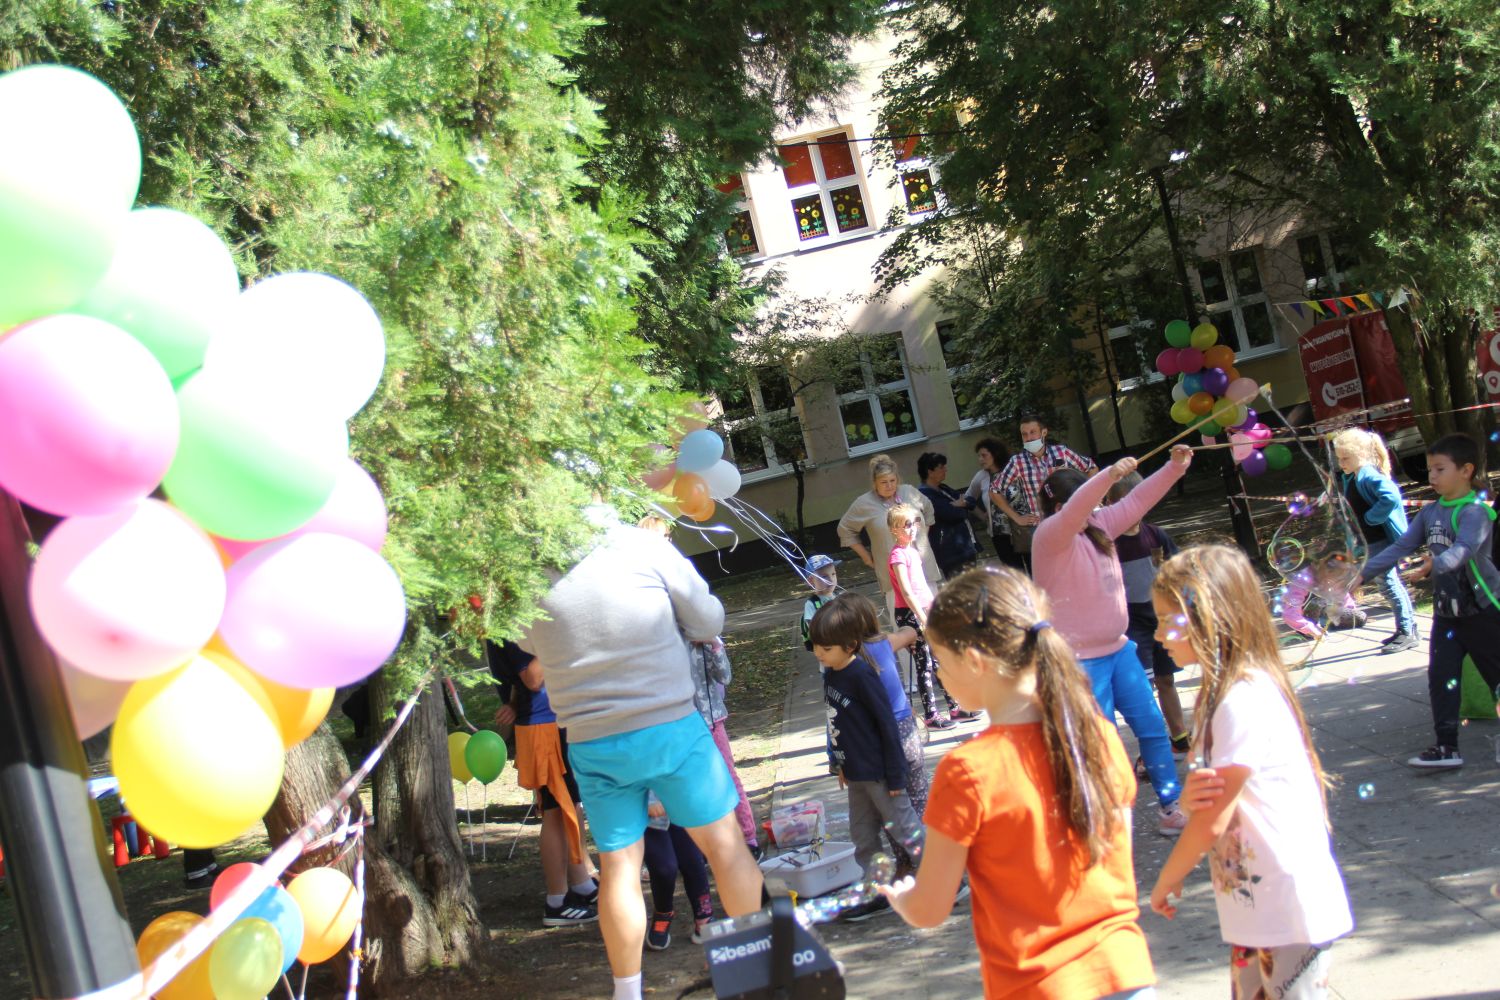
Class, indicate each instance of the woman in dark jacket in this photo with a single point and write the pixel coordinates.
(952, 539)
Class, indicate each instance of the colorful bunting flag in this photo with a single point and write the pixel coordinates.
(1299, 307)
(1365, 298)
(1333, 304)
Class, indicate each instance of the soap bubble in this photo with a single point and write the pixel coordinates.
(1298, 505)
(1453, 684)
(882, 869)
(1367, 791)
(1320, 550)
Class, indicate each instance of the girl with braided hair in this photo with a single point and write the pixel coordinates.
(1036, 808)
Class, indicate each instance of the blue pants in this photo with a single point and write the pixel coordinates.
(1395, 594)
(1120, 683)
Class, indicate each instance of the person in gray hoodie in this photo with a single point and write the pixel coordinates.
(611, 635)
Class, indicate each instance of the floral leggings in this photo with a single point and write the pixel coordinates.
(1290, 972)
(921, 659)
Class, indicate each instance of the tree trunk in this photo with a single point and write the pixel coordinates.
(417, 825)
(800, 475)
(1412, 360)
(400, 927)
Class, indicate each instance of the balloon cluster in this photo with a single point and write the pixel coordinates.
(209, 627)
(698, 475)
(481, 755)
(311, 919)
(1208, 386)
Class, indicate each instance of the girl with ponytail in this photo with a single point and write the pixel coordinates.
(1036, 808)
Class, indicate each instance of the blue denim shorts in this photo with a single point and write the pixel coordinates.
(679, 761)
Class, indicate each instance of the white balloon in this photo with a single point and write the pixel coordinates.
(722, 479)
(1179, 393)
(309, 334)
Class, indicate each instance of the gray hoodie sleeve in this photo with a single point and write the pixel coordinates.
(1402, 547)
(1473, 538)
(699, 612)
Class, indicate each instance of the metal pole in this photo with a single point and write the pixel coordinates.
(1234, 486)
(72, 915)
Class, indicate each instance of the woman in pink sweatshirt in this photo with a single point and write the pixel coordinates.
(1073, 559)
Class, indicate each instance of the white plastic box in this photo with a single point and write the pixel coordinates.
(812, 870)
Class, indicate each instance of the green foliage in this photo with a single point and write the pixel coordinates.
(429, 154)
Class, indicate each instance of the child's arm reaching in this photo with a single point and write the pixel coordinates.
(927, 900)
(1402, 547)
(1205, 825)
(1115, 518)
(901, 638)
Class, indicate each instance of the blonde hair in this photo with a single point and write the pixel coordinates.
(883, 465)
(660, 525)
(1223, 616)
(1367, 446)
(900, 514)
(1001, 614)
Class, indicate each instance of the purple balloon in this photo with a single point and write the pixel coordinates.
(1215, 381)
(1166, 362)
(1251, 419)
(1190, 360)
(1254, 464)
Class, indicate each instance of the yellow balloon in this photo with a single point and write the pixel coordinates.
(460, 767)
(191, 983)
(296, 712)
(198, 756)
(330, 908)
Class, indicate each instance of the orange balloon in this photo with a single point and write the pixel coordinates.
(691, 492)
(1219, 356)
(1233, 373)
(330, 906)
(1200, 403)
(161, 934)
(706, 513)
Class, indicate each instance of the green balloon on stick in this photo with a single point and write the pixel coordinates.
(485, 755)
(1179, 334)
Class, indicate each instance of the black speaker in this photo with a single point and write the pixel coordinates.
(771, 955)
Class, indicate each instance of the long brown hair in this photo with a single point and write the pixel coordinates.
(1058, 490)
(1223, 615)
(996, 611)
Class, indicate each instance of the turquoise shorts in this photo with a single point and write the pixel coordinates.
(677, 760)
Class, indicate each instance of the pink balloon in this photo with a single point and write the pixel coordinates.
(89, 420)
(127, 595)
(355, 509)
(1242, 391)
(1166, 362)
(1189, 360)
(315, 611)
(1241, 446)
(661, 478)
(95, 701)
(1259, 435)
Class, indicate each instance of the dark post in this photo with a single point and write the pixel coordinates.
(72, 916)
(1234, 485)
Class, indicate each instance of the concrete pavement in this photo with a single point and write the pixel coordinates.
(1420, 851)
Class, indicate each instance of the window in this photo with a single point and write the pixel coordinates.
(762, 433)
(1237, 303)
(739, 238)
(918, 177)
(875, 401)
(1326, 263)
(1134, 337)
(957, 364)
(824, 184)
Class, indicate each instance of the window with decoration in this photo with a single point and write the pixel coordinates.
(957, 364)
(919, 192)
(1236, 302)
(876, 406)
(740, 238)
(825, 187)
(1326, 263)
(762, 433)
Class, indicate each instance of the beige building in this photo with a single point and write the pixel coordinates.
(822, 216)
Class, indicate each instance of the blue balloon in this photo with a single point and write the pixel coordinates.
(277, 907)
(699, 451)
(1192, 383)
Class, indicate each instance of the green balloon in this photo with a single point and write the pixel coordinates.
(485, 755)
(171, 282)
(70, 164)
(246, 960)
(1278, 456)
(249, 466)
(1210, 429)
(1179, 334)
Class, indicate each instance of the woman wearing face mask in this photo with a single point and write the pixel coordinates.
(1025, 473)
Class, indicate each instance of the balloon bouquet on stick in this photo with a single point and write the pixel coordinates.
(209, 627)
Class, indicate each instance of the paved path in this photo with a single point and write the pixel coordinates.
(1420, 852)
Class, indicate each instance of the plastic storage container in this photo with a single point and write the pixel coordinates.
(812, 870)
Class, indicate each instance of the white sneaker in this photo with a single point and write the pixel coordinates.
(1170, 820)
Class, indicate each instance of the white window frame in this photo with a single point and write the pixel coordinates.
(746, 206)
(920, 161)
(954, 371)
(871, 394)
(1330, 264)
(824, 188)
(1235, 305)
(1135, 326)
(758, 419)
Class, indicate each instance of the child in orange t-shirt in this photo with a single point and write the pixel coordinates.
(1036, 808)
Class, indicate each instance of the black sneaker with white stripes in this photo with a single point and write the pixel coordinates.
(572, 912)
(1437, 756)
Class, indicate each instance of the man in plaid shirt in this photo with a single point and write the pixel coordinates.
(1026, 471)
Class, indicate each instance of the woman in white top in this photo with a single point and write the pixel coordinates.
(867, 516)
